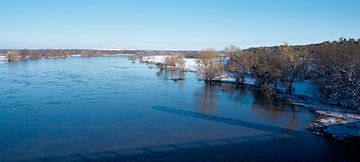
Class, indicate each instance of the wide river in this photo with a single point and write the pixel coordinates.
(109, 108)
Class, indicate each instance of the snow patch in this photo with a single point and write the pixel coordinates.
(3, 58)
(190, 63)
(339, 125)
(305, 88)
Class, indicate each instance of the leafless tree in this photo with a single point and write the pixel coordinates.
(209, 65)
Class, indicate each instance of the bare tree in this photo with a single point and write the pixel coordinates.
(291, 61)
(338, 72)
(209, 65)
(239, 65)
(14, 56)
(175, 61)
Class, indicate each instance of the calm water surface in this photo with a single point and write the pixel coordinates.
(77, 106)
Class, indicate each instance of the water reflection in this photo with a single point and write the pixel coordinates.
(207, 102)
(275, 109)
(73, 102)
(170, 74)
(272, 110)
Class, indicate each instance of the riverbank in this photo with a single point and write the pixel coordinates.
(116, 105)
(190, 63)
(3, 58)
(329, 121)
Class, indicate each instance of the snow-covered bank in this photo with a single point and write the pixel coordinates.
(226, 78)
(155, 59)
(190, 63)
(104, 55)
(3, 58)
(300, 88)
(331, 121)
(337, 124)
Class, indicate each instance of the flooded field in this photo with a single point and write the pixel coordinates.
(109, 108)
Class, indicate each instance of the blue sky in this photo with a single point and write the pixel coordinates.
(174, 24)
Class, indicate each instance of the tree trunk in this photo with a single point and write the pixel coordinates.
(290, 88)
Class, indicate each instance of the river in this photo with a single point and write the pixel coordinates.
(109, 108)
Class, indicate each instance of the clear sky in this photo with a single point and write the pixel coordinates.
(174, 24)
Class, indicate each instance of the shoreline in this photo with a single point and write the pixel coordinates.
(330, 121)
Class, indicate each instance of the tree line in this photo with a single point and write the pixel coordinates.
(19, 55)
(334, 67)
(26, 54)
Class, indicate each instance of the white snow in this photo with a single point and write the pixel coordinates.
(3, 58)
(155, 59)
(124, 54)
(190, 63)
(339, 114)
(339, 124)
(329, 121)
(305, 88)
(250, 80)
(228, 79)
(328, 118)
(300, 88)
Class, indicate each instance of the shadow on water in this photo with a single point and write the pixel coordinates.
(160, 129)
(268, 128)
(229, 149)
(208, 100)
(180, 151)
(272, 109)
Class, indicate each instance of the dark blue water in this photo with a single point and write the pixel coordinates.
(108, 105)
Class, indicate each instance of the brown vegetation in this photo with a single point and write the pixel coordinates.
(14, 56)
(209, 65)
(333, 66)
(338, 71)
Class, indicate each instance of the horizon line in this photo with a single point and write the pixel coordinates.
(129, 49)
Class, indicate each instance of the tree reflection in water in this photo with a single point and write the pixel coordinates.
(170, 74)
(207, 101)
(271, 109)
(275, 109)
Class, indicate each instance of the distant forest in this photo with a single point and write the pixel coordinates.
(24, 54)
